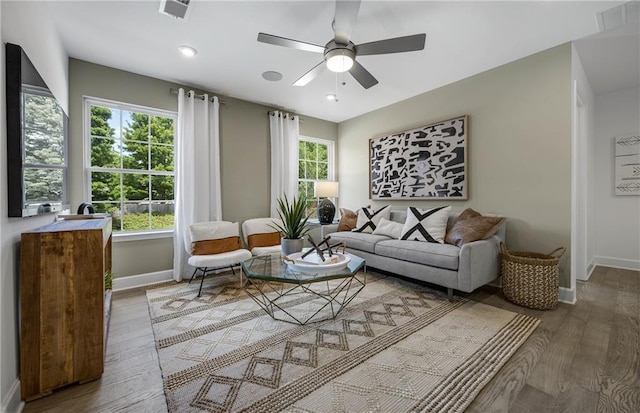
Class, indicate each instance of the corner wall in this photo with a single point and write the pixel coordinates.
(244, 147)
(617, 232)
(519, 147)
(583, 216)
(41, 43)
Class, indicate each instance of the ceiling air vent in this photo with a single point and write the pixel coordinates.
(175, 8)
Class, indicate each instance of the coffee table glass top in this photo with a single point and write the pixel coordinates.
(273, 268)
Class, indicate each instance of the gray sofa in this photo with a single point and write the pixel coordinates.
(465, 269)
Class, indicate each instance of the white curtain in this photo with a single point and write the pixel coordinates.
(197, 181)
(284, 130)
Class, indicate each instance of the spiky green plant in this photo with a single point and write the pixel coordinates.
(108, 280)
(293, 216)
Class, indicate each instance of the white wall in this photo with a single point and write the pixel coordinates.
(617, 218)
(25, 24)
(582, 218)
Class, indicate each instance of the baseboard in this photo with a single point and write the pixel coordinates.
(567, 295)
(141, 280)
(590, 268)
(13, 403)
(617, 263)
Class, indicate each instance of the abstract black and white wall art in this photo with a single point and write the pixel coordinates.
(627, 154)
(427, 162)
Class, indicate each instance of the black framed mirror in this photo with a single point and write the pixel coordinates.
(37, 129)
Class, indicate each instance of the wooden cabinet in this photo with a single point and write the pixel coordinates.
(62, 268)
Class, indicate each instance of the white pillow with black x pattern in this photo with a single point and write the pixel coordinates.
(368, 218)
(428, 226)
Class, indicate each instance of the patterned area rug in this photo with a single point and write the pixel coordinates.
(397, 347)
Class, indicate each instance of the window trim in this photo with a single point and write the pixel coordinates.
(88, 101)
(331, 163)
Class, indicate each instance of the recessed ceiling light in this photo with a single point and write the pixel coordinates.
(332, 96)
(187, 50)
(272, 76)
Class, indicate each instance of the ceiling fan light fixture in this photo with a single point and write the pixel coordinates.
(339, 60)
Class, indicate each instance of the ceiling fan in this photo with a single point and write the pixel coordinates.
(340, 52)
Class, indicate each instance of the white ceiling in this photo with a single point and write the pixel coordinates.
(611, 59)
(463, 38)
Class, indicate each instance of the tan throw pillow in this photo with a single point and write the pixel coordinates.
(348, 220)
(472, 226)
(263, 240)
(216, 246)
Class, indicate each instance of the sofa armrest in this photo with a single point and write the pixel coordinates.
(479, 263)
(328, 229)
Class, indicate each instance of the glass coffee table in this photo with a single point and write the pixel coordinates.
(300, 297)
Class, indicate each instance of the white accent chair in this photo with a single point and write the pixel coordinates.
(260, 236)
(215, 245)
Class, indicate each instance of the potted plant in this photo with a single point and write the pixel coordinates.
(294, 218)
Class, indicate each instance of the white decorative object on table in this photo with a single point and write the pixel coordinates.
(313, 262)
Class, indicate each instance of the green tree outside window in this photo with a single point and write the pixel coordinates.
(132, 167)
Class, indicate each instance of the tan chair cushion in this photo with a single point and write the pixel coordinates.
(263, 240)
(214, 237)
(216, 246)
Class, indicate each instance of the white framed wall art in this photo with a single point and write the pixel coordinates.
(429, 162)
(627, 165)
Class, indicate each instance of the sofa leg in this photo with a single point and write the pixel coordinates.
(450, 293)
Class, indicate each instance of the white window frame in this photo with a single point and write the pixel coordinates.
(89, 101)
(331, 164)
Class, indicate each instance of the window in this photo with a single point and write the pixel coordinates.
(45, 165)
(315, 163)
(130, 164)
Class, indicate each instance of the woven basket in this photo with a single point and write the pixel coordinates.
(530, 279)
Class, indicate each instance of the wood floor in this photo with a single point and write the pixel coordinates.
(582, 358)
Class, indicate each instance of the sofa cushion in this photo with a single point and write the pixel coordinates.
(358, 240)
(427, 253)
(429, 225)
(368, 218)
(348, 220)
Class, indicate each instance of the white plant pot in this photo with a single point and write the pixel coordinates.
(290, 246)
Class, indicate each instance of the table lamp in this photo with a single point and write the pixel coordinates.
(326, 209)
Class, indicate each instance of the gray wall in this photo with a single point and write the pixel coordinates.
(617, 233)
(519, 147)
(42, 45)
(244, 147)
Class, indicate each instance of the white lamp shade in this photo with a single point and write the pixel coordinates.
(326, 189)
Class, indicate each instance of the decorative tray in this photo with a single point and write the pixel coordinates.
(314, 264)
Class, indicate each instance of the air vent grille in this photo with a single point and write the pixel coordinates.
(175, 8)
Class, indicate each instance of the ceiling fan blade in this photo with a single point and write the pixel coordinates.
(345, 20)
(295, 44)
(362, 75)
(311, 74)
(395, 45)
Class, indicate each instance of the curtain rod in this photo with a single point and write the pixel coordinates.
(273, 112)
(174, 91)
